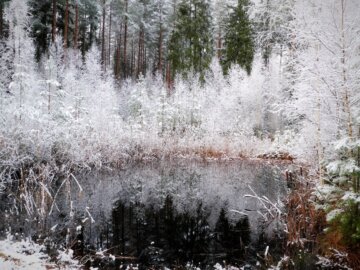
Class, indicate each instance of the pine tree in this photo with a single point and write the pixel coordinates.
(239, 43)
(1, 18)
(24, 88)
(263, 30)
(76, 26)
(88, 24)
(76, 20)
(191, 41)
(220, 12)
(3, 24)
(53, 24)
(273, 23)
(41, 13)
(66, 24)
(6, 55)
(126, 19)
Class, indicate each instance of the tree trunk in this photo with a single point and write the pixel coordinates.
(118, 57)
(168, 78)
(109, 48)
(219, 45)
(138, 70)
(1, 19)
(319, 120)
(125, 38)
(92, 33)
(53, 29)
(103, 55)
(132, 63)
(49, 99)
(141, 53)
(82, 34)
(144, 63)
(160, 64)
(117, 61)
(160, 45)
(66, 24)
(346, 101)
(76, 31)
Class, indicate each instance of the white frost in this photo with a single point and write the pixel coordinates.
(333, 214)
(26, 254)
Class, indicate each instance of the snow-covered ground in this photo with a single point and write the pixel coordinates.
(28, 255)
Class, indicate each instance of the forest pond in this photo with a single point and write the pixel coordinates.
(164, 214)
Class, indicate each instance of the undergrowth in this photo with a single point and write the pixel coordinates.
(313, 240)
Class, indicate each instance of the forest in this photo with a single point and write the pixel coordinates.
(90, 88)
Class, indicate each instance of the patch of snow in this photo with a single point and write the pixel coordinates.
(26, 254)
(266, 251)
(332, 167)
(84, 220)
(342, 167)
(218, 266)
(88, 212)
(100, 253)
(279, 266)
(132, 267)
(342, 144)
(22, 255)
(349, 195)
(333, 214)
(54, 227)
(66, 257)
(53, 82)
(325, 192)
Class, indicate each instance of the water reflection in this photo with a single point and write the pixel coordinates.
(165, 237)
(163, 214)
(174, 213)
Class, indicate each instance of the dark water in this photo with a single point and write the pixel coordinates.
(165, 214)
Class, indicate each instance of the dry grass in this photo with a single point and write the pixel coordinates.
(306, 226)
(304, 222)
(17, 262)
(332, 246)
(277, 156)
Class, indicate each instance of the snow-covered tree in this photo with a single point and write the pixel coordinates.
(24, 87)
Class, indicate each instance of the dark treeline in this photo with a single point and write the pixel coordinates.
(137, 37)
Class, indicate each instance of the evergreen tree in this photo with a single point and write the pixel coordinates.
(220, 12)
(24, 86)
(6, 60)
(263, 30)
(3, 23)
(87, 12)
(41, 12)
(191, 42)
(273, 22)
(88, 23)
(6, 54)
(54, 69)
(239, 44)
